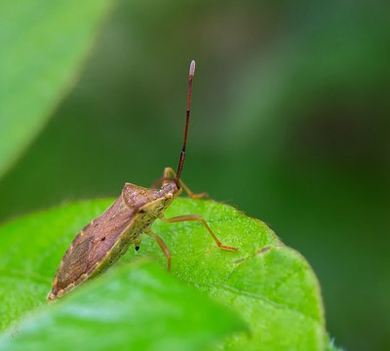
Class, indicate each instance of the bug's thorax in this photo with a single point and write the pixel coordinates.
(163, 198)
(151, 202)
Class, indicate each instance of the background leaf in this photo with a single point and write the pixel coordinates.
(271, 286)
(136, 307)
(42, 46)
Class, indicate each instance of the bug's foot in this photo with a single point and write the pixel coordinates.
(228, 248)
(199, 196)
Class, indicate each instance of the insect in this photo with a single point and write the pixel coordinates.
(106, 238)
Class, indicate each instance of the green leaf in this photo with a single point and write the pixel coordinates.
(42, 46)
(136, 307)
(270, 286)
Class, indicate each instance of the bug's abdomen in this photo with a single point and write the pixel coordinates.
(91, 245)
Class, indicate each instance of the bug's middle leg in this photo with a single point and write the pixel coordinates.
(162, 245)
(170, 174)
(201, 220)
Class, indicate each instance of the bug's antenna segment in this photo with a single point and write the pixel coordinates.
(188, 113)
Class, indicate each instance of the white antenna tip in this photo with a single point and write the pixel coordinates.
(192, 68)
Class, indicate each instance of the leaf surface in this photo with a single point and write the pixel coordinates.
(133, 307)
(269, 285)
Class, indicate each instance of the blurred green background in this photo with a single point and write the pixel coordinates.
(290, 124)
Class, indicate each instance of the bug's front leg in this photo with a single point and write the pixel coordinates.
(169, 173)
(162, 245)
(201, 220)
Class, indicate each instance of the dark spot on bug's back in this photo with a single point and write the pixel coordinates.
(136, 248)
(104, 238)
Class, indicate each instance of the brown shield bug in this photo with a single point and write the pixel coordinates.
(107, 237)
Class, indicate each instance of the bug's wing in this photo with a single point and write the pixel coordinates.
(91, 245)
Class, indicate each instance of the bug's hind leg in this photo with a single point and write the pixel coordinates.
(162, 245)
(201, 220)
(170, 174)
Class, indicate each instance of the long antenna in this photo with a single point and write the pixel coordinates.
(188, 113)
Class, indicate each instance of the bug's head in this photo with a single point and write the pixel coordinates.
(187, 124)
